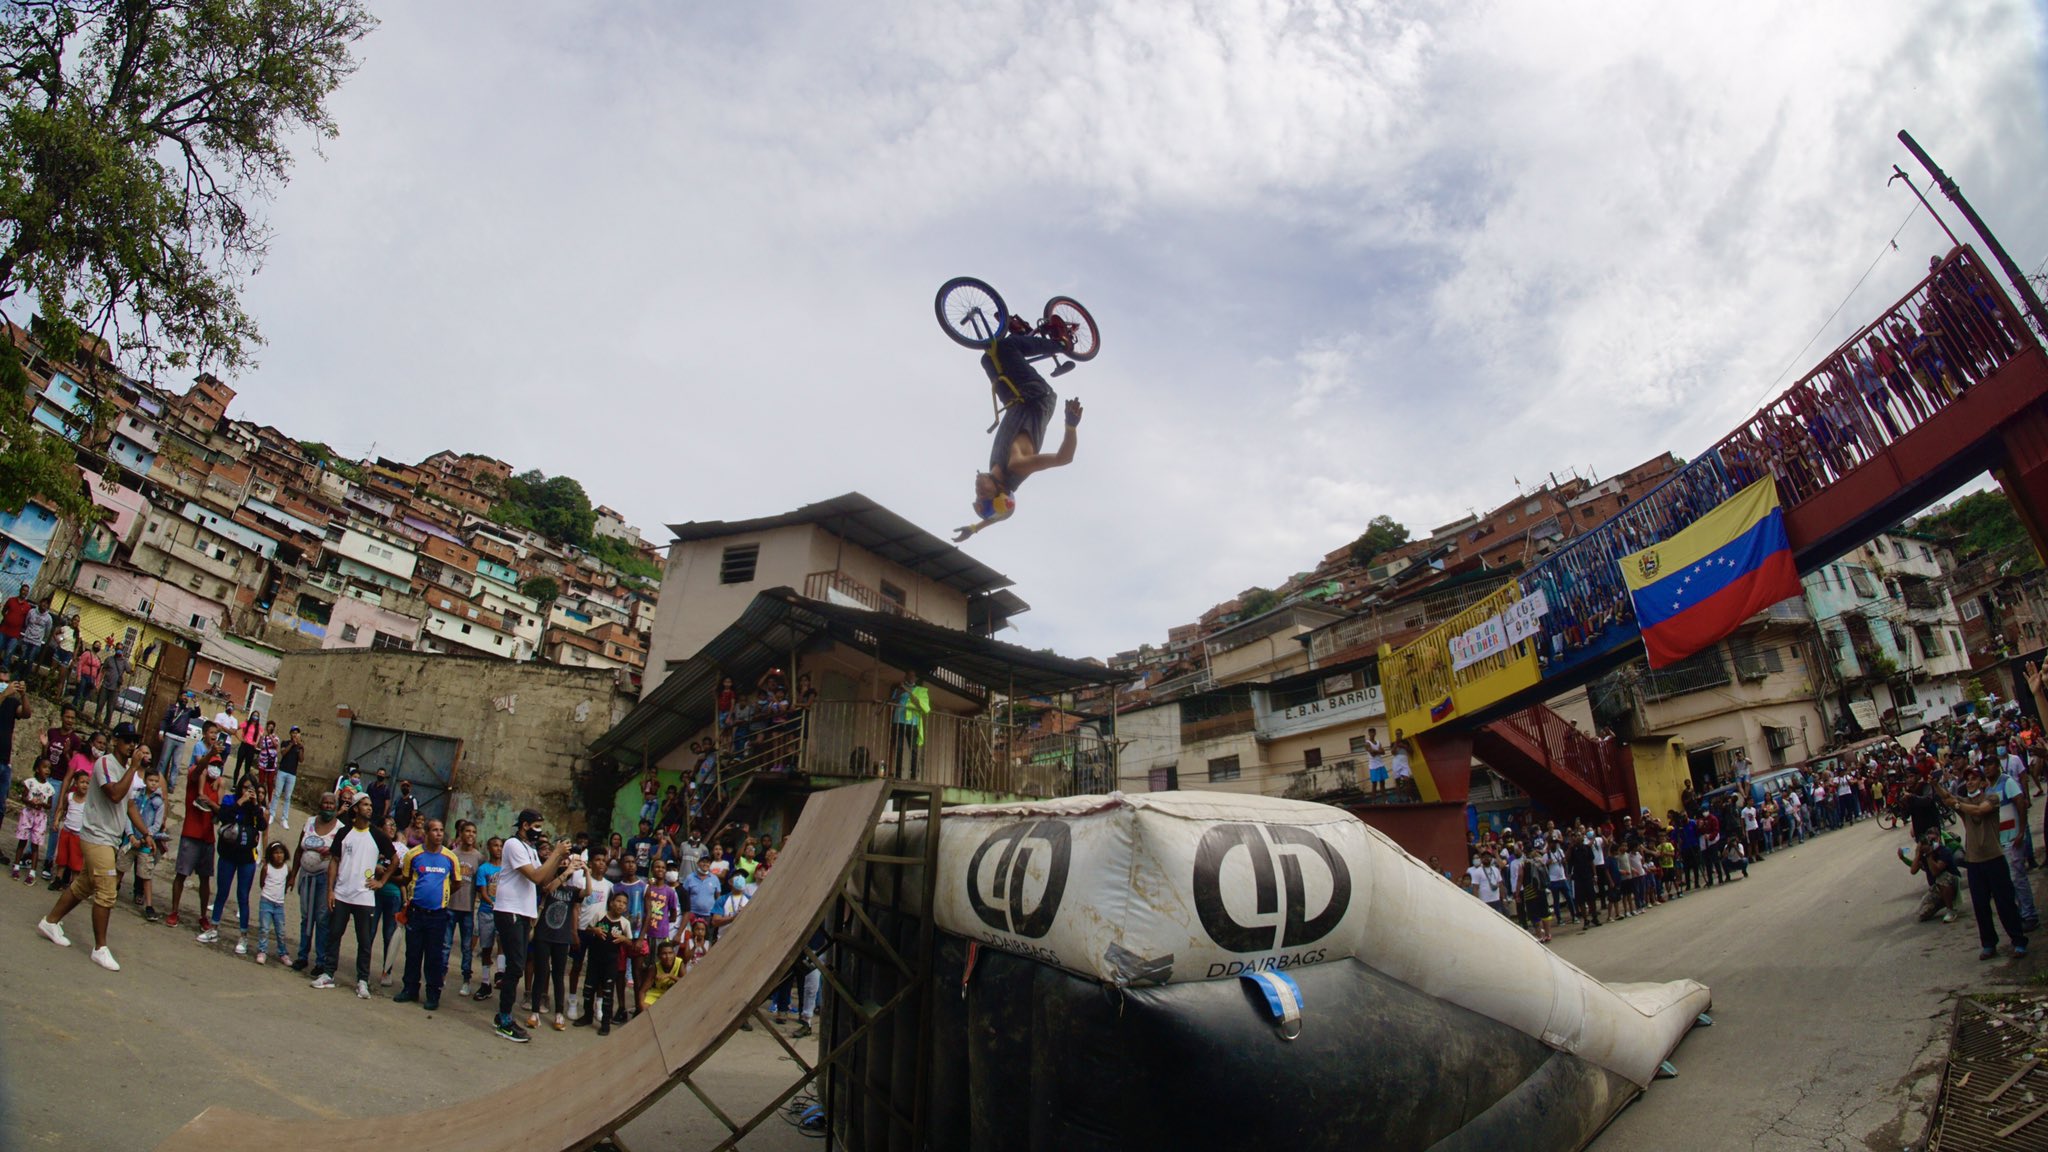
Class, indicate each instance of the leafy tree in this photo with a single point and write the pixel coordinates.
(1256, 601)
(541, 588)
(1986, 523)
(1381, 534)
(554, 506)
(137, 140)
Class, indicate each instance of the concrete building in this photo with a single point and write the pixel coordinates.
(613, 525)
(1754, 693)
(1892, 634)
(480, 740)
(848, 551)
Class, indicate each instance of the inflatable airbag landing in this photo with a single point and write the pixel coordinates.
(1176, 887)
(1033, 1059)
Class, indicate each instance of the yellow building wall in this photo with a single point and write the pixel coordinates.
(1661, 773)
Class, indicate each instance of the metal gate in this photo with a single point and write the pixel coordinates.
(427, 761)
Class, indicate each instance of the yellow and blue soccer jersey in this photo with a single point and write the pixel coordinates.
(430, 876)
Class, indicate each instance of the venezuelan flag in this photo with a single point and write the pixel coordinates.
(1696, 588)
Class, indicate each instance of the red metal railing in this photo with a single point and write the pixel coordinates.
(1948, 334)
(1557, 745)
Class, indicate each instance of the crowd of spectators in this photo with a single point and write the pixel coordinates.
(1591, 872)
(594, 932)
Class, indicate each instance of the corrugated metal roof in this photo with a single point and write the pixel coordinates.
(860, 521)
(779, 622)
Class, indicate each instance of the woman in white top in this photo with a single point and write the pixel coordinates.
(309, 878)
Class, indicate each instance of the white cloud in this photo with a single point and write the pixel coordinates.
(1348, 259)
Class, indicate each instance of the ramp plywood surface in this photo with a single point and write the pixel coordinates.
(554, 1110)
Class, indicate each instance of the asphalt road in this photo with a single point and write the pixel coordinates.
(1831, 1002)
(98, 1060)
(1831, 1006)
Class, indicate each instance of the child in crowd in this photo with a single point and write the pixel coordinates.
(698, 943)
(32, 825)
(140, 857)
(70, 818)
(658, 927)
(270, 911)
(667, 969)
(633, 887)
(604, 949)
(487, 911)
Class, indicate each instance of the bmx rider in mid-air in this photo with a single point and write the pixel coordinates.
(1027, 404)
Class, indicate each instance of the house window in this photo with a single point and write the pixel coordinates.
(1898, 550)
(215, 679)
(1861, 582)
(1312, 759)
(348, 633)
(893, 596)
(99, 583)
(1222, 769)
(1955, 639)
(197, 623)
(384, 640)
(1358, 745)
(1972, 609)
(736, 566)
(1930, 641)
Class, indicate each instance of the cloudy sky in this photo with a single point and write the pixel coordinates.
(1347, 259)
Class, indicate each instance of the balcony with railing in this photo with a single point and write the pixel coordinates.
(839, 588)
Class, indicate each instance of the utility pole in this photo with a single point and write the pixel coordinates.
(1948, 188)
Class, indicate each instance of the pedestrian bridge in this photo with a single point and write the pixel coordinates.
(1945, 384)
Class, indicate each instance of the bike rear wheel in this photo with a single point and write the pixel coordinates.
(1888, 820)
(970, 311)
(1087, 341)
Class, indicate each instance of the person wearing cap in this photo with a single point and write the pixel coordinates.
(170, 733)
(288, 760)
(521, 873)
(380, 797)
(110, 812)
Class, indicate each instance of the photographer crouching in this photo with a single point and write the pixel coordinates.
(1932, 859)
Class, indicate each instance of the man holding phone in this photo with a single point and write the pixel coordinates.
(521, 874)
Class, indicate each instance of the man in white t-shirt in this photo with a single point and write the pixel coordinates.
(1485, 878)
(353, 877)
(521, 873)
(1404, 776)
(110, 811)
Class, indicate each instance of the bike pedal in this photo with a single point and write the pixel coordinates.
(1064, 368)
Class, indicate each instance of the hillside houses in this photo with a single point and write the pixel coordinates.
(224, 532)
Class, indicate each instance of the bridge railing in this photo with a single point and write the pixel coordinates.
(1948, 334)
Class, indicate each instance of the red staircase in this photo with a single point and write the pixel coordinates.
(1568, 771)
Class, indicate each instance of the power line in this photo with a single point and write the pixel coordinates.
(1798, 357)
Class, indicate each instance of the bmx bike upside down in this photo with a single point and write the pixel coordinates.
(974, 315)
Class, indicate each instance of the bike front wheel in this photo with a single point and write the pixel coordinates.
(1888, 820)
(970, 311)
(1087, 341)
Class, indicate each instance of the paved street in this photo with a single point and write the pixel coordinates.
(183, 1027)
(1830, 1001)
(1830, 1004)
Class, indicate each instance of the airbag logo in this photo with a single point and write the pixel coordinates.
(1011, 905)
(1294, 847)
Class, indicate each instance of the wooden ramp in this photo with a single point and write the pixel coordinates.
(643, 1060)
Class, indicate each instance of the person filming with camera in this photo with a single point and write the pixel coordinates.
(523, 870)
